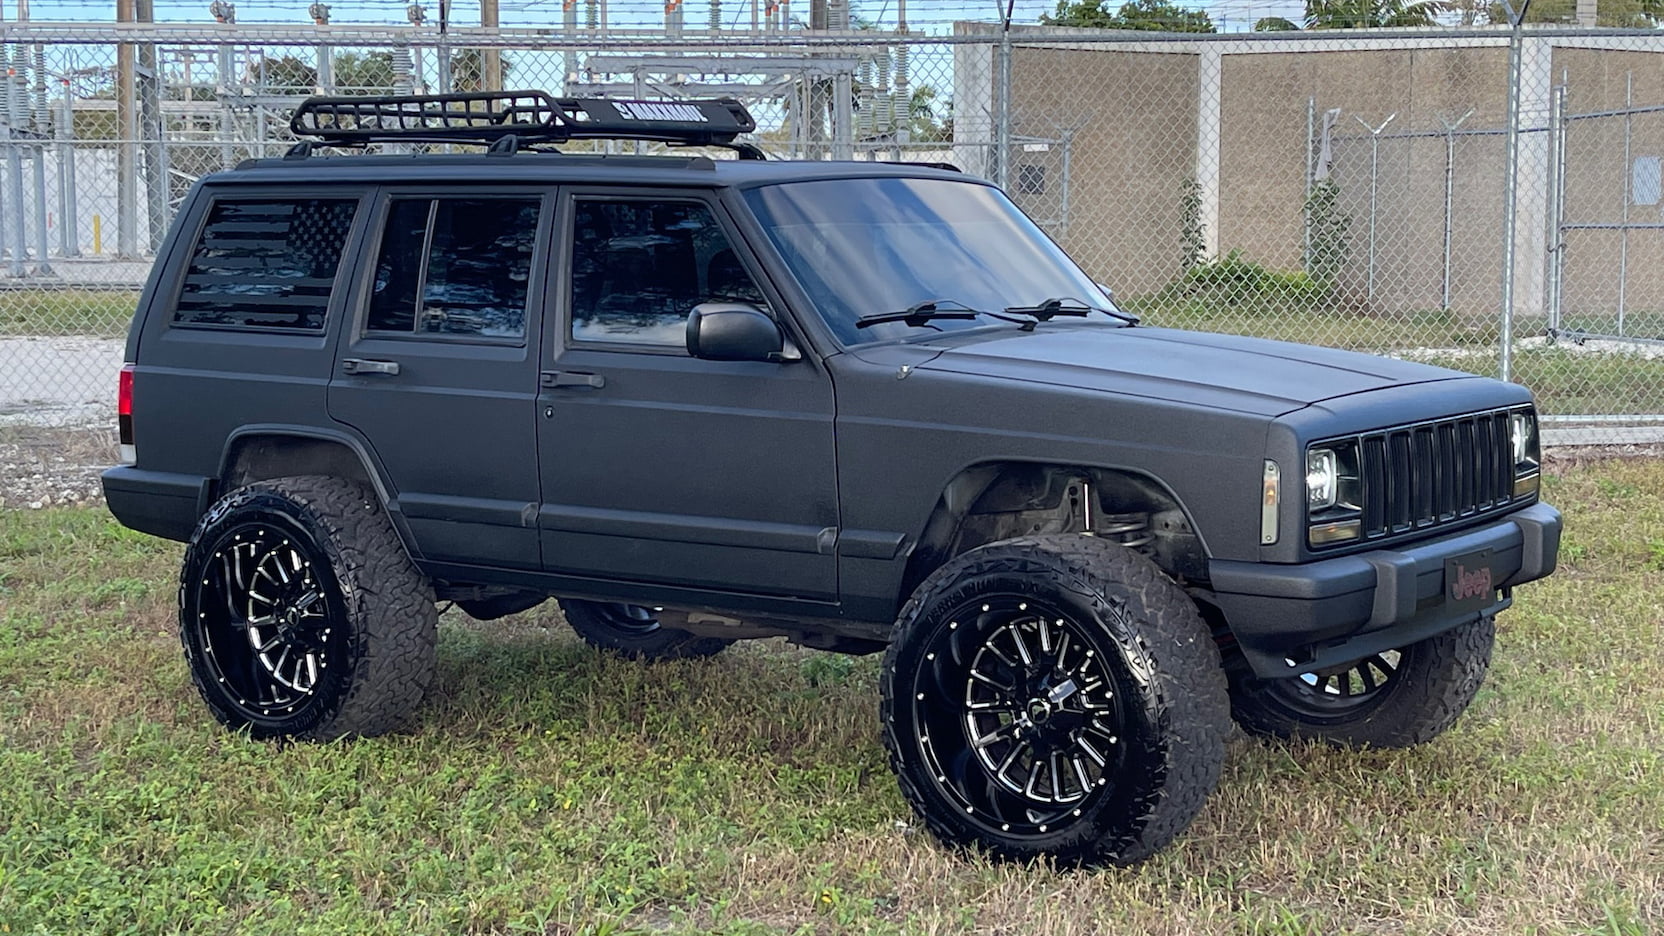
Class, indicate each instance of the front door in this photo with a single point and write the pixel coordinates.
(661, 467)
(438, 371)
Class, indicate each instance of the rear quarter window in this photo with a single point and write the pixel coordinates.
(266, 262)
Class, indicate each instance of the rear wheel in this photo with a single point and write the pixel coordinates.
(302, 616)
(635, 631)
(1394, 699)
(1054, 695)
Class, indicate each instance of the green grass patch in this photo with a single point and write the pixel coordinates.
(55, 312)
(553, 789)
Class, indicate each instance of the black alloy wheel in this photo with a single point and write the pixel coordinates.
(1394, 699)
(301, 614)
(1039, 713)
(1054, 696)
(266, 613)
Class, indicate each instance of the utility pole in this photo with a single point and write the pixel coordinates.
(127, 120)
(149, 87)
(326, 55)
(491, 59)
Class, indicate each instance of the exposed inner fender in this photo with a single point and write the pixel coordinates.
(997, 501)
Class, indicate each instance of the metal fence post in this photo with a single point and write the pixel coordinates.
(1510, 188)
(1374, 184)
(1623, 235)
(1449, 200)
(69, 235)
(1558, 128)
(1002, 107)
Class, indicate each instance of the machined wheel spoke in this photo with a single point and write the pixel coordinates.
(1022, 646)
(1031, 739)
(1092, 752)
(998, 734)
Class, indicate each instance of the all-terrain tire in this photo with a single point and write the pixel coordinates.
(1153, 670)
(632, 631)
(311, 568)
(1414, 699)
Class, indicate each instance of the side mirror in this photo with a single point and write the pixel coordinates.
(736, 331)
(1108, 294)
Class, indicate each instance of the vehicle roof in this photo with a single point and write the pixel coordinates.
(592, 168)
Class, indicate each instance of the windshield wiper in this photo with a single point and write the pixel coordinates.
(920, 313)
(1067, 305)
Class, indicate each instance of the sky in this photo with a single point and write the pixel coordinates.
(931, 16)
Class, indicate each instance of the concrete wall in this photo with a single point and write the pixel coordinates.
(1131, 123)
(1134, 107)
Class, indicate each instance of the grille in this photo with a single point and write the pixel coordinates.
(1421, 476)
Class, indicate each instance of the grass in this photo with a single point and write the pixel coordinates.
(56, 312)
(552, 789)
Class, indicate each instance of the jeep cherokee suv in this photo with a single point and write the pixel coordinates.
(863, 406)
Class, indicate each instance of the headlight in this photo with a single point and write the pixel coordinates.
(1523, 433)
(1522, 436)
(1322, 478)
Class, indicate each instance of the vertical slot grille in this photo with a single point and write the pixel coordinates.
(1422, 476)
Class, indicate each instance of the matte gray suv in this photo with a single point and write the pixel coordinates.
(863, 406)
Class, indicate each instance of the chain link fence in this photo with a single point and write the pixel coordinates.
(1345, 188)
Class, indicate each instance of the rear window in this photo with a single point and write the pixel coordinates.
(266, 263)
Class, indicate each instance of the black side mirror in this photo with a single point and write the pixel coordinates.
(735, 331)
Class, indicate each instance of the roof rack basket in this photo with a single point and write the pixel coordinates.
(491, 118)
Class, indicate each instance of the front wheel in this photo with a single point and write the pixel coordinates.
(635, 631)
(1054, 695)
(1394, 699)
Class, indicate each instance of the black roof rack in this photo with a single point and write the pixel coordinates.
(505, 120)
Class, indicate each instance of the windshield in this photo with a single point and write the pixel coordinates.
(863, 247)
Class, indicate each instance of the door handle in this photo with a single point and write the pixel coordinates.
(557, 380)
(361, 366)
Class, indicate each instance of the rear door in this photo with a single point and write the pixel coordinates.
(241, 329)
(438, 371)
(661, 467)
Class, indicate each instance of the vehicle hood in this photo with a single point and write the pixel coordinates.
(1250, 375)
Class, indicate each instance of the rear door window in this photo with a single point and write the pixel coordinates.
(266, 262)
(456, 267)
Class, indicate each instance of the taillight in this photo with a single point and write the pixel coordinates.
(124, 415)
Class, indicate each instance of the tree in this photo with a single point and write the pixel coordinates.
(1624, 14)
(1379, 14)
(468, 70)
(923, 121)
(364, 72)
(1148, 15)
(282, 74)
(1373, 14)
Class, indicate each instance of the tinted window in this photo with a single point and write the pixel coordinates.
(478, 255)
(266, 263)
(639, 268)
(873, 246)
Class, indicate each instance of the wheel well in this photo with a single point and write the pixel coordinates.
(992, 502)
(261, 457)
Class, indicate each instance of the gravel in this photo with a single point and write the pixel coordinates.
(48, 467)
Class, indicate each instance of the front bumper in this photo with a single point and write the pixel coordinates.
(1296, 619)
